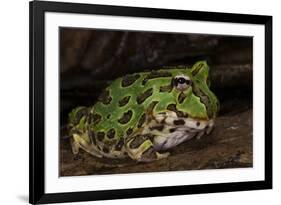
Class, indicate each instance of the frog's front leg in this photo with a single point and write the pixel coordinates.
(83, 141)
(140, 148)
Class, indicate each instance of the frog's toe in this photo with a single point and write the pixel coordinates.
(141, 149)
(152, 155)
(162, 155)
(78, 142)
(148, 156)
(75, 146)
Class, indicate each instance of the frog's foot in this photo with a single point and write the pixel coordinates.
(206, 131)
(150, 153)
(141, 149)
(75, 146)
(78, 142)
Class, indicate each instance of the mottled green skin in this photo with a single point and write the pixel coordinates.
(111, 112)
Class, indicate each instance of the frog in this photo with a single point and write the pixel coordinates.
(143, 115)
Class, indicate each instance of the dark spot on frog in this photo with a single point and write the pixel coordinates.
(208, 81)
(197, 69)
(172, 107)
(92, 137)
(165, 88)
(142, 120)
(172, 130)
(100, 136)
(124, 101)
(179, 122)
(110, 143)
(79, 114)
(197, 124)
(149, 111)
(119, 145)
(111, 133)
(129, 131)
(96, 118)
(163, 121)
(105, 97)
(138, 140)
(93, 118)
(156, 74)
(105, 149)
(203, 99)
(89, 118)
(142, 97)
(206, 101)
(181, 97)
(157, 127)
(129, 80)
(126, 117)
(108, 116)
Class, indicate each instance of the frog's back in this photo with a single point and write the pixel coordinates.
(122, 105)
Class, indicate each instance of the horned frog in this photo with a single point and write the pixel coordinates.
(144, 114)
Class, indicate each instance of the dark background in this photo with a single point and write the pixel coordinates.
(90, 59)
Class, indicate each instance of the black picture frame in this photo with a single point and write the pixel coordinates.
(37, 194)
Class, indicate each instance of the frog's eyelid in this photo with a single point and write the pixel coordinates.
(182, 76)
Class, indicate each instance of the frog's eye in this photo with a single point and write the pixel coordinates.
(181, 82)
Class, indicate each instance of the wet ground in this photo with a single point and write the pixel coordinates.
(228, 146)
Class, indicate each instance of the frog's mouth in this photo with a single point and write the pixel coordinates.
(176, 130)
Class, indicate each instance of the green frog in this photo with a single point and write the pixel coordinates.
(142, 115)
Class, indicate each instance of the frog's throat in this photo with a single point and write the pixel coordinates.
(176, 130)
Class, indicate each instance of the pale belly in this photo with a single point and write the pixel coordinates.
(175, 134)
(172, 140)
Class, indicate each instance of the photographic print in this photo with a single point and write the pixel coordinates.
(130, 102)
(139, 101)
